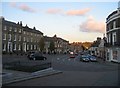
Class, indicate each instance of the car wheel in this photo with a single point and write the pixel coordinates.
(44, 58)
(34, 58)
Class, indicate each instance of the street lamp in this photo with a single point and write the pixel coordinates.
(104, 47)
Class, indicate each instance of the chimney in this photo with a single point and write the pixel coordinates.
(26, 26)
(34, 28)
(20, 23)
(2, 18)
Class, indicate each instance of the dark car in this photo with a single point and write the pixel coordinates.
(29, 53)
(92, 58)
(37, 56)
(84, 58)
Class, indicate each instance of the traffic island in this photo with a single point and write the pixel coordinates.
(27, 70)
(27, 67)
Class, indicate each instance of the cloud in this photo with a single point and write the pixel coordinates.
(26, 8)
(22, 7)
(13, 4)
(91, 25)
(54, 11)
(78, 12)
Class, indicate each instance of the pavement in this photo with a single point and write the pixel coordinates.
(16, 76)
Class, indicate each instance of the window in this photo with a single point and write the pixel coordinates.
(15, 30)
(27, 47)
(115, 55)
(34, 47)
(118, 22)
(10, 29)
(24, 32)
(5, 28)
(9, 37)
(19, 38)
(4, 36)
(24, 38)
(111, 25)
(27, 33)
(20, 30)
(31, 47)
(114, 24)
(31, 39)
(114, 37)
(4, 47)
(27, 39)
(15, 38)
(19, 47)
(14, 46)
(109, 38)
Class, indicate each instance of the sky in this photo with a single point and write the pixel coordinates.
(72, 21)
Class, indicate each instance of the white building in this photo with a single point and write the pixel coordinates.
(113, 36)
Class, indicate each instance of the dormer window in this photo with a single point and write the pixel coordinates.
(5, 28)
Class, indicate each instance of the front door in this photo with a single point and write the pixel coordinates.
(9, 46)
(24, 47)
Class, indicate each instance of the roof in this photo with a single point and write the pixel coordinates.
(46, 38)
(26, 28)
(114, 12)
(9, 23)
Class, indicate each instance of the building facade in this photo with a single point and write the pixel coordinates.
(113, 36)
(94, 49)
(19, 39)
(76, 47)
(102, 49)
(47, 41)
(61, 45)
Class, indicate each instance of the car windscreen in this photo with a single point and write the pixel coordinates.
(37, 54)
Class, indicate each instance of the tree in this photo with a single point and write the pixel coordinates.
(41, 44)
(52, 46)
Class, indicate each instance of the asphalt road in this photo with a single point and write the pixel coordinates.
(76, 73)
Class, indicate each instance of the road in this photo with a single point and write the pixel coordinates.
(76, 73)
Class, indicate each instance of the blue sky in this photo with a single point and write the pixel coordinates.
(73, 21)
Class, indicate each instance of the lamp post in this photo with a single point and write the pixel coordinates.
(104, 48)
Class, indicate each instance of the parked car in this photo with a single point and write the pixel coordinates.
(76, 54)
(37, 56)
(84, 58)
(92, 58)
(29, 53)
